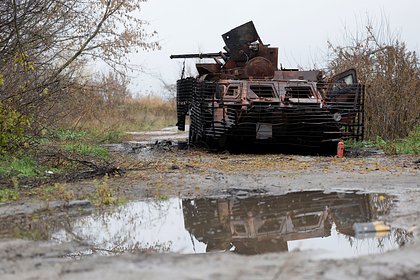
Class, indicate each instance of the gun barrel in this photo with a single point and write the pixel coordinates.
(198, 55)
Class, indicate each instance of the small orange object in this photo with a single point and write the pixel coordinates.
(340, 149)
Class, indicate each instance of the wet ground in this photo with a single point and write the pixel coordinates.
(191, 214)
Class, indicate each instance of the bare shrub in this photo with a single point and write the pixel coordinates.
(392, 77)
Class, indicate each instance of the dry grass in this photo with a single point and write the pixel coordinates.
(112, 119)
(153, 112)
(106, 106)
(134, 114)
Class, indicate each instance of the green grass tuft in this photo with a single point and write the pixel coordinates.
(20, 167)
(407, 145)
(70, 135)
(87, 150)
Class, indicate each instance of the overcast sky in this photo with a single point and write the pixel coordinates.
(300, 29)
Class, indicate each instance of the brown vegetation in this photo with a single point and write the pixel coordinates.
(392, 77)
(135, 114)
(106, 105)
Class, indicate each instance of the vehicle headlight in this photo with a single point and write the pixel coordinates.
(337, 117)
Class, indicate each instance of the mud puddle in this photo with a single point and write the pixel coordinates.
(243, 223)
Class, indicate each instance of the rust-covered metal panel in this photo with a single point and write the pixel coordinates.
(239, 39)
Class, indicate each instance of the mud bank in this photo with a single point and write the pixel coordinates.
(257, 182)
(26, 260)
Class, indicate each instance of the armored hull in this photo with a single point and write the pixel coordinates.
(279, 114)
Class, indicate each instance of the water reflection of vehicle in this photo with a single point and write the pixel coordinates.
(263, 224)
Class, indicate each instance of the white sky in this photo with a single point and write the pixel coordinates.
(300, 29)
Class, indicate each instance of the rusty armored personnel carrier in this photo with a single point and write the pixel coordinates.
(242, 99)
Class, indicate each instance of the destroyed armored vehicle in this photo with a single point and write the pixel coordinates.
(242, 99)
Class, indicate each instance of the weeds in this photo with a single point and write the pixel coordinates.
(24, 166)
(54, 192)
(7, 195)
(87, 150)
(109, 123)
(112, 136)
(69, 135)
(105, 194)
(158, 186)
(408, 145)
(63, 193)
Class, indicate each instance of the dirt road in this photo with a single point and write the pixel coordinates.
(64, 241)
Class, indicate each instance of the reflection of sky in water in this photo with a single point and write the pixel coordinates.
(145, 224)
(159, 226)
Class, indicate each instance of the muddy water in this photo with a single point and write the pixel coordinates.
(244, 223)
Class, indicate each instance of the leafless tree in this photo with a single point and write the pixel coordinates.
(44, 45)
